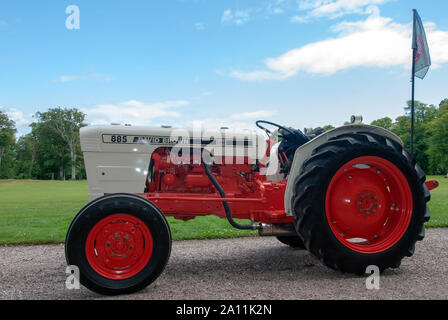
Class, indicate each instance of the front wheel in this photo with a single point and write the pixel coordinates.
(120, 243)
(360, 200)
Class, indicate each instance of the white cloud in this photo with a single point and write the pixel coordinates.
(235, 122)
(133, 112)
(92, 76)
(152, 114)
(237, 17)
(264, 10)
(252, 115)
(218, 123)
(374, 42)
(3, 23)
(277, 6)
(67, 78)
(258, 75)
(21, 119)
(298, 19)
(199, 26)
(304, 10)
(336, 8)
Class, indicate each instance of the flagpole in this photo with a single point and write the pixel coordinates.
(414, 54)
(413, 101)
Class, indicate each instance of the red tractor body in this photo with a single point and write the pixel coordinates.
(184, 191)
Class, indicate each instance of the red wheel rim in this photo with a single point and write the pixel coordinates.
(369, 204)
(119, 246)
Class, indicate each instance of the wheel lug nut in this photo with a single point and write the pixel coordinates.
(123, 256)
(112, 255)
(116, 236)
(375, 236)
(358, 203)
(108, 244)
(127, 237)
(378, 171)
(361, 210)
(367, 194)
(361, 197)
(376, 204)
(373, 198)
(393, 205)
(373, 211)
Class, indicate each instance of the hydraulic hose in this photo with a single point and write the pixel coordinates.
(225, 203)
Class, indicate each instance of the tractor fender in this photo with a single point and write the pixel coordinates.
(306, 150)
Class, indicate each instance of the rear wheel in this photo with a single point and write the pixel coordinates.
(360, 200)
(120, 243)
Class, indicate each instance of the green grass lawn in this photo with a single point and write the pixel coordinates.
(34, 212)
(439, 203)
(41, 211)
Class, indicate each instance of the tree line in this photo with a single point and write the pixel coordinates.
(430, 134)
(52, 149)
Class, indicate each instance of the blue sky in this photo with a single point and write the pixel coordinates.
(302, 63)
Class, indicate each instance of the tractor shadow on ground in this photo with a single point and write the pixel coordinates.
(261, 262)
(238, 270)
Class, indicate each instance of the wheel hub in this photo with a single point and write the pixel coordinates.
(362, 204)
(119, 246)
(367, 201)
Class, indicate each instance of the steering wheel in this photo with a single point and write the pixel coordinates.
(259, 122)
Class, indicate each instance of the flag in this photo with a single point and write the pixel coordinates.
(422, 58)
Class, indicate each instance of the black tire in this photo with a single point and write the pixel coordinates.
(293, 242)
(102, 208)
(310, 190)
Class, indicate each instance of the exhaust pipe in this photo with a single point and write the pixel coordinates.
(269, 230)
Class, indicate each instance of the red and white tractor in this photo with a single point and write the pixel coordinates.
(352, 196)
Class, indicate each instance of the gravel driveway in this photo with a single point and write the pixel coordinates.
(245, 268)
